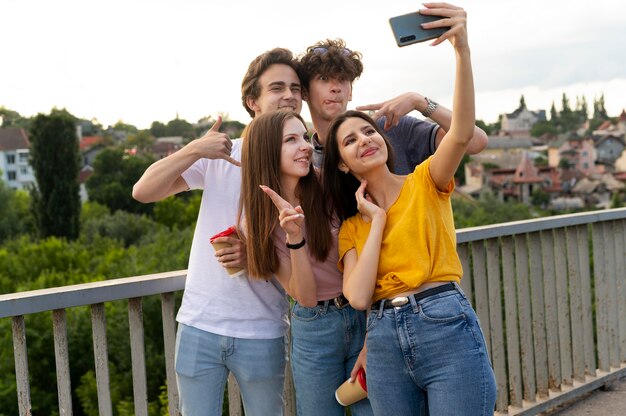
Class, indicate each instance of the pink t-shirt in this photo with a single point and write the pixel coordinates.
(328, 278)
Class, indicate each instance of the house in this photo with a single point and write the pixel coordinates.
(573, 152)
(609, 149)
(165, 146)
(519, 122)
(503, 152)
(90, 146)
(519, 183)
(15, 169)
(83, 175)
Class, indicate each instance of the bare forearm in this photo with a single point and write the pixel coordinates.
(464, 117)
(302, 285)
(163, 178)
(360, 279)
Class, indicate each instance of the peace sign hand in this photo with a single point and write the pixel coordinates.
(291, 219)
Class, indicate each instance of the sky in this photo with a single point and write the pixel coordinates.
(141, 61)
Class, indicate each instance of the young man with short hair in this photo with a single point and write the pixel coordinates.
(227, 324)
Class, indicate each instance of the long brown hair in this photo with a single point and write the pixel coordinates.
(260, 165)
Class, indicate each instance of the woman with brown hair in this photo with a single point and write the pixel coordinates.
(289, 235)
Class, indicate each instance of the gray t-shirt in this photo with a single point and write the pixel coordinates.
(413, 141)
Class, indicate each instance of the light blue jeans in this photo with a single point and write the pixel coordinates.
(203, 361)
(325, 343)
(429, 358)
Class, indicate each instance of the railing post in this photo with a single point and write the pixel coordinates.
(550, 310)
(62, 360)
(538, 314)
(169, 340)
(512, 322)
(234, 397)
(587, 296)
(601, 290)
(101, 359)
(21, 366)
(498, 353)
(562, 306)
(138, 356)
(529, 377)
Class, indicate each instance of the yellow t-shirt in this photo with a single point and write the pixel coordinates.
(419, 240)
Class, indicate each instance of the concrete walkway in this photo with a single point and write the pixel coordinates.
(603, 402)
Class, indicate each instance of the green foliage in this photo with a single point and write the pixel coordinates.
(111, 245)
(540, 198)
(617, 200)
(121, 226)
(111, 183)
(460, 171)
(12, 118)
(55, 160)
(178, 212)
(176, 127)
(16, 217)
(129, 128)
(487, 210)
(487, 128)
(543, 127)
(141, 140)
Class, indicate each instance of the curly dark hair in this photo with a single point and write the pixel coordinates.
(330, 58)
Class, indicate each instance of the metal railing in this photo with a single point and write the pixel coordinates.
(550, 294)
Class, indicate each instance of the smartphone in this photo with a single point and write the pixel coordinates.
(407, 30)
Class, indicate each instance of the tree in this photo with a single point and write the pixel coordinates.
(522, 102)
(129, 128)
(542, 127)
(55, 159)
(487, 128)
(115, 173)
(16, 219)
(142, 141)
(599, 112)
(10, 118)
(554, 116)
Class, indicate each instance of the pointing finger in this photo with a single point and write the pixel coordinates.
(369, 107)
(233, 161)
(278, 201)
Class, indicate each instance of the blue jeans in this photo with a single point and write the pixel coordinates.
(325, 343)
(429, 358)
(203, 360)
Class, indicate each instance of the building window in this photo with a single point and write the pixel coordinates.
(11, 174)
(23, 170)
(23, 157)
(10, 159)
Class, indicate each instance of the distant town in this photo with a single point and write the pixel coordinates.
(570, 158)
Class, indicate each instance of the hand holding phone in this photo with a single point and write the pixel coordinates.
(407, 28)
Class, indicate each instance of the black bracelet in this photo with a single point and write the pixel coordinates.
(296, 246)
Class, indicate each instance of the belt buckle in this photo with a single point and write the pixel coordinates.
(340, 302)
(399, 301)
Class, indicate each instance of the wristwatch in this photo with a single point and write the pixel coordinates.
(430, 108)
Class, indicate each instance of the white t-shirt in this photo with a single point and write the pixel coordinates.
(213, 301)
